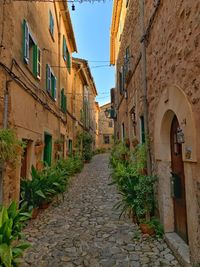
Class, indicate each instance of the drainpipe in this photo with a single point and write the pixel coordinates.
(144, 84)
(6, 95)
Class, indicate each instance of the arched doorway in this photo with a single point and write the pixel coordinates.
(178, 182)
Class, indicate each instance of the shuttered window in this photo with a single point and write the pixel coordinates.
(31, 52)
(66, 54)
(51, 82)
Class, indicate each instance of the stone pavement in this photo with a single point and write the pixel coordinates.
(84, 230)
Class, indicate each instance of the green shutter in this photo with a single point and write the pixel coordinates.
(35, 60)
(48, 78)
(64, 48)
(61, 100)
(25, 47)
(65, 103)
(68, 61)
(53, 87)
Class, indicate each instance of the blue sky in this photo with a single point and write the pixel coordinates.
(91, 24)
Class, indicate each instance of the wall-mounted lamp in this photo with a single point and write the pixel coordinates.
(73, 7)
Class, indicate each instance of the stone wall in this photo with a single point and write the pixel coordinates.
(173, 52)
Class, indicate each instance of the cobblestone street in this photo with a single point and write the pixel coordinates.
(84, 230)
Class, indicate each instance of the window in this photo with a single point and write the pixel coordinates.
(31, 52)
(50, 82)
(106, 139)
(51, 23)
(63, 102)
(142, 130)
(110, 124)
(66, 54)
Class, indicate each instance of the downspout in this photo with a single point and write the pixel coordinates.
(6, 95)
(144, 85)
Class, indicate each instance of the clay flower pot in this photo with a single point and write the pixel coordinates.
(147, 229)
(35, 213)
(44, 205)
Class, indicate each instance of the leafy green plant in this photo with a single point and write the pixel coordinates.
(134, 185)
(11, 223)
(49, 182)
(84, 145)
(10, 146)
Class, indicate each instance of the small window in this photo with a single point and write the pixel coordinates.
(31, 52)
(110, 124)
(50, 82)
(51, 24)
(106, 139)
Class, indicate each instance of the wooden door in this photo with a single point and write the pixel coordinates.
(178, 184)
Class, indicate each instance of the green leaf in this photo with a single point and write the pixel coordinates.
(40, 193)
(6, 254)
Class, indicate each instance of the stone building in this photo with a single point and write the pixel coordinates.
(106, 127)
(37, 84)
(155, 46)
(83, 98)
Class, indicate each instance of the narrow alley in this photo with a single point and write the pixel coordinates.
(85, 230)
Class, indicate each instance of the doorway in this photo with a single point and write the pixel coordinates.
(47, 148)
(178, 183)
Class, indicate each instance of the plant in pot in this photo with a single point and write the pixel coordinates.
(144, 202)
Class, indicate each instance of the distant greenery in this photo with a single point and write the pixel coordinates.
(135, 186)
(49, 182)
(84, 145)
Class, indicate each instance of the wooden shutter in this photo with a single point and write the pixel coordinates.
(25, 42)
(65, 103)
(39, 64)
(48, 78)
(64, 48)
(55, 88)
(68, 61)
(35, 60)
(61, 98)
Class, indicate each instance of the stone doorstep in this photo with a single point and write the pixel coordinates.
(179, 248)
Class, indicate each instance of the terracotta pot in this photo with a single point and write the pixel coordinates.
(35, 213)
(44, 205)
(147, 229)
